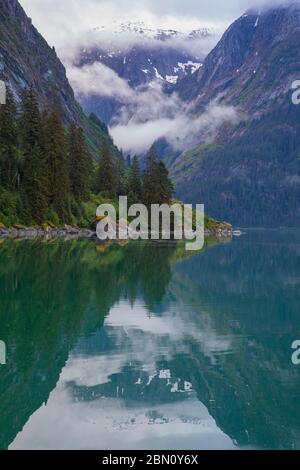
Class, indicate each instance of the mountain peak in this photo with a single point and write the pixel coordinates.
(141, 31)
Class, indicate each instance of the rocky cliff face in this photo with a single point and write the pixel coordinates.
(27, 60)
(254, 63)
(250, 174)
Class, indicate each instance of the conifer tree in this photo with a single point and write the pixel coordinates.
(106, 174)
(157, 186)
(34, 179)
(166, 190)
(120, 176)
(57, 164)
(151, 182)
(134, 182)
(8, 143)
(80, 165)
(128, 161)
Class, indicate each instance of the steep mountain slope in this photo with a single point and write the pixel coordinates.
(248, 66)
(27, 60)
(250, 174)
(139, 55)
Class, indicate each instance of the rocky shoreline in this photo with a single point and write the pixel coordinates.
(20, 231)
(74, 232)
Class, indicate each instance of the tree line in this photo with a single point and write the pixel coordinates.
(49, 166)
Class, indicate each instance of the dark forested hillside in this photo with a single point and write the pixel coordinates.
(255, 179)
(250, 174)
(47, 177)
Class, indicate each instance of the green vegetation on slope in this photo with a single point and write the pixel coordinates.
(47, 174)
(251, 180)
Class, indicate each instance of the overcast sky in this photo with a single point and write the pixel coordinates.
(62, 21)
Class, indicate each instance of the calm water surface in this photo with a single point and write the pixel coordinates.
(142, 346)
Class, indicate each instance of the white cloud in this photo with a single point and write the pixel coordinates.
(147, 113)
(103, 39)
(99, 80)
(183, 130)
(137, 138)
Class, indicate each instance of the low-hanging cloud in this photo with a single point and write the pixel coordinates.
(182, 131)
(147, 113)
(99, 80)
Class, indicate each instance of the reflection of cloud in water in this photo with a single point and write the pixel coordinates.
(178, 324)
(135, 337)
(86, 411)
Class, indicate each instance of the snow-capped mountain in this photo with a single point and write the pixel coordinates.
(140, 28)
(140, 55)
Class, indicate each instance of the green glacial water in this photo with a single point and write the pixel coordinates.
(146, 346)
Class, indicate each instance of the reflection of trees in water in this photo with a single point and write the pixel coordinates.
(51, 293)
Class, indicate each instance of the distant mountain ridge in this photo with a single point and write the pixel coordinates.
(141, 28)
(139, 54)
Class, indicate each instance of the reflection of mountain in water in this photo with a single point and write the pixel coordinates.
(220, 329)
(52, 293)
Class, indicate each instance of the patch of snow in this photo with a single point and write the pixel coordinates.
(194, 66)
(188, 386)
(157, 74)
(139, 28)
(172, 79)
(151, 377)
(165, 374)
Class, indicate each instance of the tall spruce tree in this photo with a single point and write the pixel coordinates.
(35, 178)
(8, 144)
(80, 165)
(135, 182)
(106, 180)
(120, 170)
(157, 186)
(166, 190)
(151, 182)
(57, 164)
